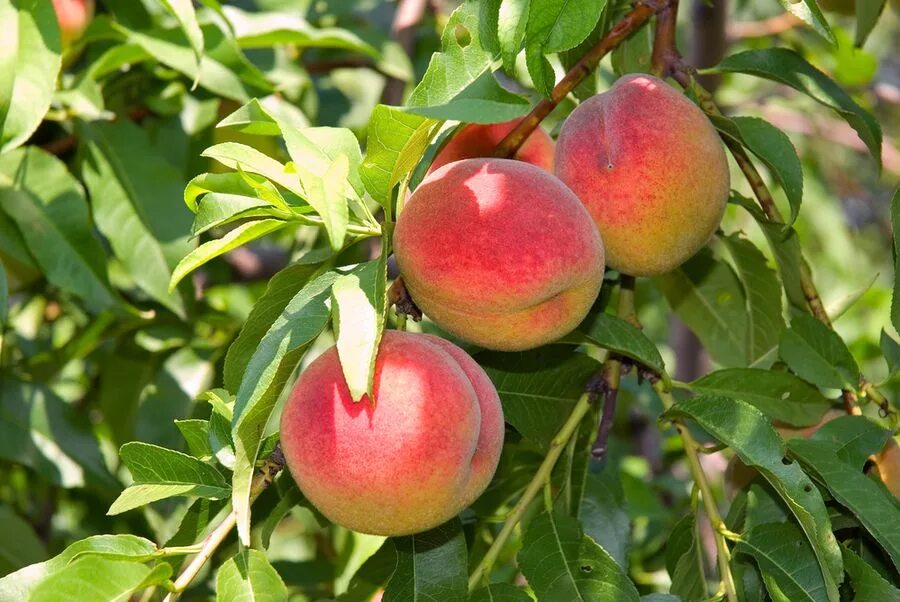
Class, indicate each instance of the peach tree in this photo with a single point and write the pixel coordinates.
(476, 300)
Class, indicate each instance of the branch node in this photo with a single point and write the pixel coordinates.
(399, 297)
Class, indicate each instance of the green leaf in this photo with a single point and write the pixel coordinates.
(854, 490)
(208, 251)
(891, 351)
(358, 306)
(867, 583)
(500, 592)
(895, 228)
(43, 432)
(196, 434)
(763, 294)
(684, 561)
(615, 334)
(19, 546)
(561, 563)
(216, 210)
(867, 14)
(183, 10)
(785, 248)
(458, 83)
(856, 438)
(744, 429)
(249, 576)
(390, 131)
(554, 26)
(779, 395)
(789, 68)
(430, 566)
(4, 296)
(774, 148)
(538, 388)
(106, 580)
(513, 18)
(244, 158)
(787, 562)
(817, 354)
(19, 585)
(160, 473)
(327, 195)
(281, 289)
(29, 65)
(272, 28)
(809, 12)
(276, 356)
(47, 204)
(372, 575)
(238, 184)
(600, 507)
(707, 295)
(135, 200)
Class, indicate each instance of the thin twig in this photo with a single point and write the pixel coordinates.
(640, 14)
(407, 16)
(609, 389)
(266, 475)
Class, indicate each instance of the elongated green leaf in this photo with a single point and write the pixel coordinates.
(280, 290)
(788, 67)
(744, 428)
(855, 438)
(244, 158)
(249, 576)
(600, 507)
(4, 295)
(817, 354)
(18, 586)
(458, 83)
(279, 351)
(867, 15)
(327, 195)
(809, 12)
(707, 295)
(183, 10)
(390, 130)
(787, 562)
(615, 334)
(554, 26)
(430, 566)
(212, 249)
(358, 306)
(500, 592)
(19, 546)
(867, 583)
(774, 148)
(196, 435)
(779, 395)
(890, 349)
(684, 562)
(47, 204)
(561, 563)
(215, 210)
(29, 65)
(135, 199)
(849, 486)
(372, 575)
(160, 473)
(106, 580)
(513, 18)
(538, 388)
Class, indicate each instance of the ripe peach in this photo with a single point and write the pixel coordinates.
(651, 170)
(888, 464)
(499, 253)
(74, 16)
(479, 140)
(408, 460)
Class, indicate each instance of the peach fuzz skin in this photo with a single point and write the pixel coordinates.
(423, 451)
(479, 140)
(499, 253)
(650, 169)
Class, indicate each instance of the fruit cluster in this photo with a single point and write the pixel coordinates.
(508, 255)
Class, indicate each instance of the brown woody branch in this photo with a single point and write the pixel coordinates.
(633, 20)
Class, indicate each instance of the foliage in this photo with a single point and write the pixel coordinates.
(198, 198)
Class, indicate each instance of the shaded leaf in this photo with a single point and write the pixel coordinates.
(106, 580)
(867, 583)
(249, 576)
(817, 354)
(19, 545)
(809, 12)
(615, 334)
(430, 566)
(684, 561)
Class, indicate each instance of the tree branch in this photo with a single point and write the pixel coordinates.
(266, 475)
(633, 20)
(407, 16)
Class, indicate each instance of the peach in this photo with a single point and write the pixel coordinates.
(479, 140)
(888, 464)
(650, 169)
(74, 16)
(499, 253)
(408, 460)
